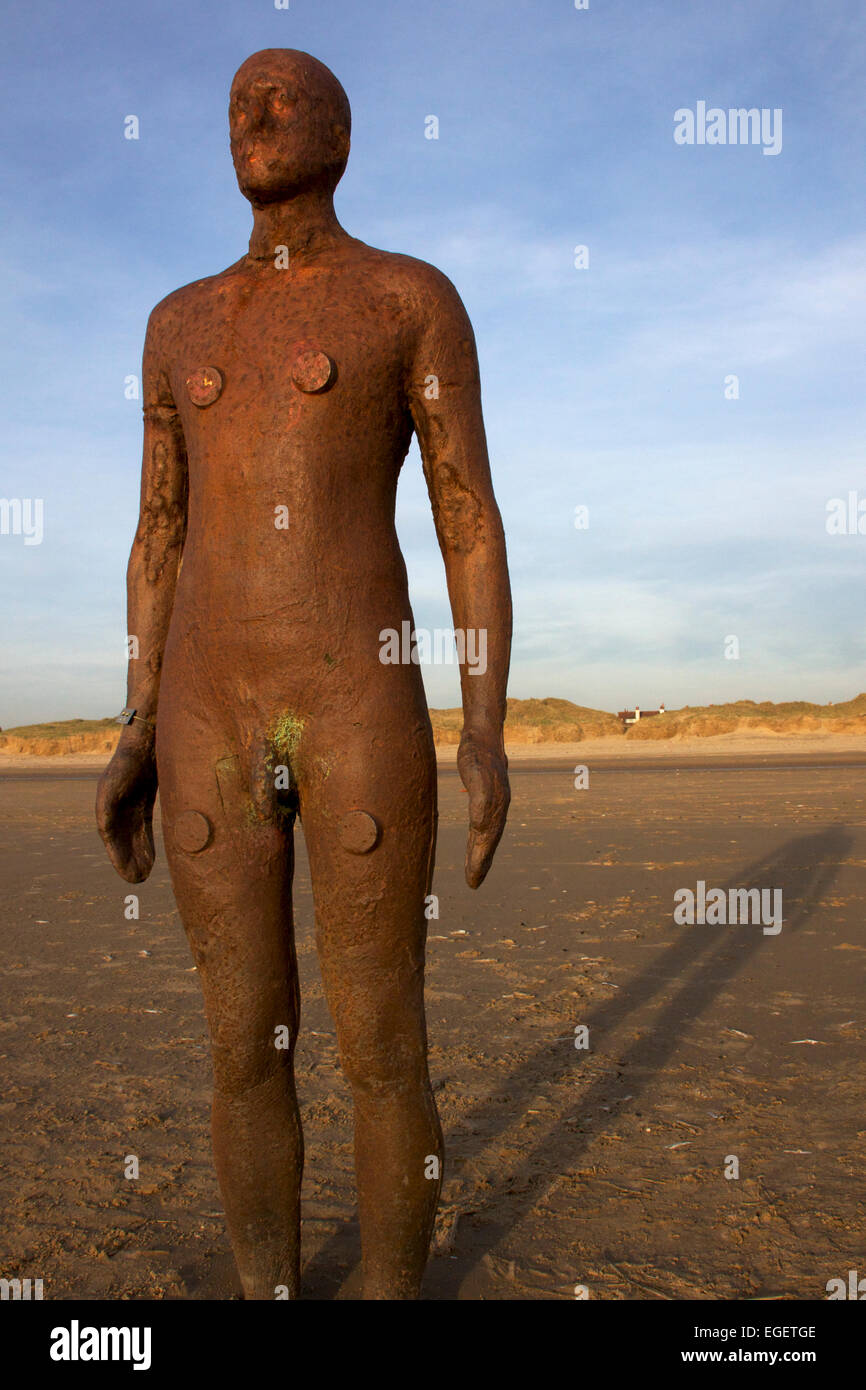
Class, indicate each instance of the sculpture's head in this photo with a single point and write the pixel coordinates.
(290, 123)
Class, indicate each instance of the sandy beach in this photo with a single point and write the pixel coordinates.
(603, 1167)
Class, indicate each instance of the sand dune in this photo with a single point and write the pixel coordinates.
(537, 724)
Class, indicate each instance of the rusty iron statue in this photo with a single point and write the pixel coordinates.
(280, 398)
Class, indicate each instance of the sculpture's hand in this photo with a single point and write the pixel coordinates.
(484, 772)
(124, 805)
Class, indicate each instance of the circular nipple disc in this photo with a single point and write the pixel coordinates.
(313, 371)
(204, 385)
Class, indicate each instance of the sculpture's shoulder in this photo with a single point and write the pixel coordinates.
(182, 305)
(418, 287)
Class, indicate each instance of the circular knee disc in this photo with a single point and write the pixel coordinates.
(192, 832)
(313, 371)
(204, 386)
(358, 832)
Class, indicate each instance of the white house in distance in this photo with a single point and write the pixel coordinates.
(634, 716)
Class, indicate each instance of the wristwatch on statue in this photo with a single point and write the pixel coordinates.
(126, 716)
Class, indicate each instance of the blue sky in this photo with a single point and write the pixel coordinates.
(603, 387)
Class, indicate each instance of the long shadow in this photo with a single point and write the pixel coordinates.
(702, 962)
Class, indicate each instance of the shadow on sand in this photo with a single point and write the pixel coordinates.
(699, 965)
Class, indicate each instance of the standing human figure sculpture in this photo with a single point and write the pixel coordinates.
(280, 398)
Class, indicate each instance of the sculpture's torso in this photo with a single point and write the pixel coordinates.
(291, 566)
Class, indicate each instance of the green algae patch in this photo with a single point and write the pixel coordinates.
(286, 734)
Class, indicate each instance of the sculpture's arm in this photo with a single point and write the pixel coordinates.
(445, 399)
(154, 561)
(127, 788)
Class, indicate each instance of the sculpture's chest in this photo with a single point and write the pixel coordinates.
(253, 359)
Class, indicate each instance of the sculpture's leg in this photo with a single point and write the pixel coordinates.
(370, 932)
(234, 897)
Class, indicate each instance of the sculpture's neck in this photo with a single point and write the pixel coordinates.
(304, 225)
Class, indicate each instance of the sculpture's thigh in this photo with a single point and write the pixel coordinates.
(232, 878)
(369, 819)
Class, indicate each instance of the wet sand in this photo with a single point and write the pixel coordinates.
(602, 1167)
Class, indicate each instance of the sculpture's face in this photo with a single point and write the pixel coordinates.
(287, 130)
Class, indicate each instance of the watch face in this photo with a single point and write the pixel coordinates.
(126, 716)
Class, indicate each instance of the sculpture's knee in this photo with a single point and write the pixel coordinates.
(250, 1049)
(384, 1062)
(242, 1068)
